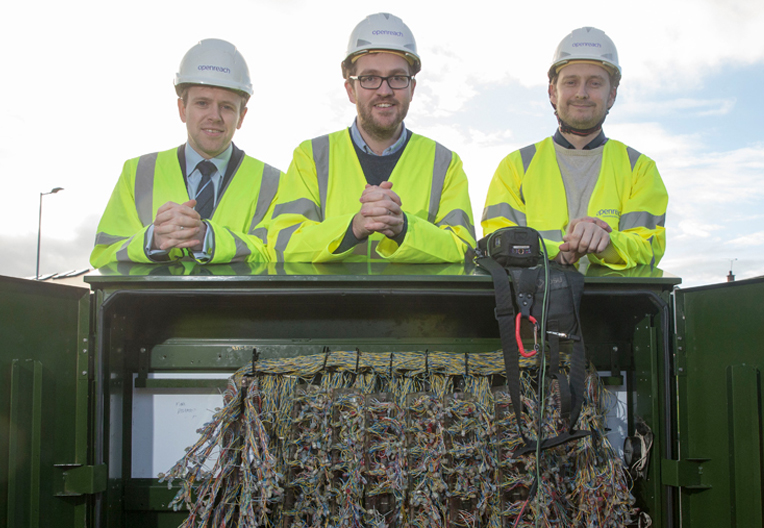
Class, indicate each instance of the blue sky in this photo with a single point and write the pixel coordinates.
(89, 84)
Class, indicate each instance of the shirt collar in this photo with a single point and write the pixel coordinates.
(361, 144)
(220, 161)
(598, 141)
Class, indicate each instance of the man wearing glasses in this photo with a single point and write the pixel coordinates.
(205, 200)
(374, 191)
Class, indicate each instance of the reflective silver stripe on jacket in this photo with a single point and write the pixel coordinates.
(269, 186)
(121, 254)
(457, 217)
(302, 206)
(640, 219)
(283, 240)
(440, 166)
(554, 235)
(105, 239)
(144, 187)
(526, 154)
(504, 210)
(242, 251)
(633, 157)
(321, 159)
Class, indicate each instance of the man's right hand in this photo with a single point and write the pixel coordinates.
(380, 212)
(178, 226)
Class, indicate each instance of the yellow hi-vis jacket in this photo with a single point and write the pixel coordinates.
(527, 190)
(320, 195)
(239, 221)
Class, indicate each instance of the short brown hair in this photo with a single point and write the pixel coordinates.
(182, 91)
(349, 65)
(615, 78)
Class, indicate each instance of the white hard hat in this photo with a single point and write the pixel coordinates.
(587, 44)
(214, 62)
(382, 31)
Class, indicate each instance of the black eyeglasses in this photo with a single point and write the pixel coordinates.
(373, 82)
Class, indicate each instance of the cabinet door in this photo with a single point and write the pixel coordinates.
(720, 356)
(45, 478)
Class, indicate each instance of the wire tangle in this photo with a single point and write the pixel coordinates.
(348, 440)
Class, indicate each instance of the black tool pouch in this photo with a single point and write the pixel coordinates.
(524, 295)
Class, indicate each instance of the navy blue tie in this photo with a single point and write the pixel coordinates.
(205, 194)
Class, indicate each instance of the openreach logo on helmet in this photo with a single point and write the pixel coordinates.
(587, 44)
(387, 32)
(209, 67)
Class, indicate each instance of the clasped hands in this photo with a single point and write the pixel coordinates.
(583, 236)
(380, 212)
(178, 226)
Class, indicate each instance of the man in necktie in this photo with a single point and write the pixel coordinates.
(205, 200)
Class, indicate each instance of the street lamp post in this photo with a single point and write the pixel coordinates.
(39, 228)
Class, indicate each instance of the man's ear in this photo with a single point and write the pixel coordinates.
(182, 109)
(241, 117)
(350, 89)
(552, 94)
(611, 99)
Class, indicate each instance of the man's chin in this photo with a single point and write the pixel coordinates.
(582, 124)
(381, 131)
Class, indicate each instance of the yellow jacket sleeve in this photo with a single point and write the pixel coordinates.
(121, 234)
(299, 232)
(447, 238)
(640, 234)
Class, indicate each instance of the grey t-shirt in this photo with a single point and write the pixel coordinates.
(580, 170)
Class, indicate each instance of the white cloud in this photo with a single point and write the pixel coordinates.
(685, 107)
(751, 239)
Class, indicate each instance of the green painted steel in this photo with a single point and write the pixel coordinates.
(81, 480)
(182, 319)
(25, 421)
(44, 378)
(720, 357)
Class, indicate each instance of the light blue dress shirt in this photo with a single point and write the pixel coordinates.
(361, 144)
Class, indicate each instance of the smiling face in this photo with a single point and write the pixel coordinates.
(582, 94)
(211, 115)
(381, 111)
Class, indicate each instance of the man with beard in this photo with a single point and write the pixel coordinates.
(587, 195)
(376, 190)
(205, 200)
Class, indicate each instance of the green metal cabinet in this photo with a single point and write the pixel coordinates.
(719, 347)
(75, 364)
(46, 473)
